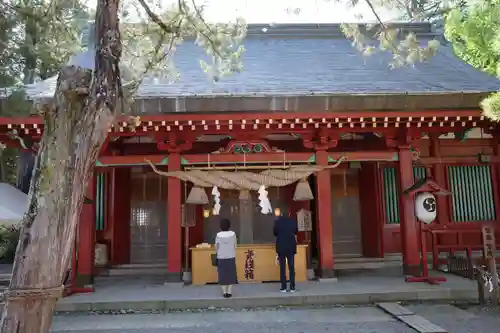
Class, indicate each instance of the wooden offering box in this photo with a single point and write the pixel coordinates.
(254, 263)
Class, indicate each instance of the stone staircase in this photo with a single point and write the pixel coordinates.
(136, 273)
(347, 262)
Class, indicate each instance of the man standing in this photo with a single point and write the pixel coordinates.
(285, 230)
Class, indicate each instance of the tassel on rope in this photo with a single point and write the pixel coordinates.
(264, 203)
(216, 195)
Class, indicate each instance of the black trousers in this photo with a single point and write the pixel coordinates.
(290, 259)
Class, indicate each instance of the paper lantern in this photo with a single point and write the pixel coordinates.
(303, 191)
(425, 207)
(244, 195)
(197, 196)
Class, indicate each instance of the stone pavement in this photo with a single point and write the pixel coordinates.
(363, 288)
(470, 319)
(359, 320)
(362, 319)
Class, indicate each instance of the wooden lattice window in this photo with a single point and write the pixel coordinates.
(100, 200)
(391, 192)
(472, 193)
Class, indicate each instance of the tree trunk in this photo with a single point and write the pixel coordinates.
(3, 165)
(76, 125)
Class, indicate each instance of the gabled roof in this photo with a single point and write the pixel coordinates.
(307, 59)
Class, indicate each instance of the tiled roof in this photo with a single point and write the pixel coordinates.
(286, 60)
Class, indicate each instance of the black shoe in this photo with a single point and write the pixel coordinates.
(229, 295)
(226, 296)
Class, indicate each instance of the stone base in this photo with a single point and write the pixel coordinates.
(83, 280)
(174, 277)
(325, 273)
(186, 277)
(412, 270)
(327, 280)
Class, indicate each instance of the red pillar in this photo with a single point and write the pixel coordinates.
(174, 203)
(119, 216)
(439, 176)
(324, 217)
(409, 226)
(372, 225)
(86, 239)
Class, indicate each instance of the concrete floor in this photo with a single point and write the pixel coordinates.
(355, 288)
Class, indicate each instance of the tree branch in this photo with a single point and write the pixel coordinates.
(156, 19)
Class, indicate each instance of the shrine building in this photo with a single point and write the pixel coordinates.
(360, 133)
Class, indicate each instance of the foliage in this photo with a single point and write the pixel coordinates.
(474, 32)
(405, 47)
(151, 34)
(38, 36)
(36, 39)
(491, 106)
(9, 237)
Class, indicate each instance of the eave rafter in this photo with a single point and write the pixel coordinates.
(222, 123)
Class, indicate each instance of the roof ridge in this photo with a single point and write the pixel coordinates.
(331, 29)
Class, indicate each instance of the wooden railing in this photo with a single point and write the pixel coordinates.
(462, 265)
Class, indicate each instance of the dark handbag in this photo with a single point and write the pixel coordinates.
(214, 259)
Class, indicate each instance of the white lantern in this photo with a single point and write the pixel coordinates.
(426, 207)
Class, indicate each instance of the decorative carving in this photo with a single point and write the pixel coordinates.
(462, 135)
(401, 140)
(245, 147)
(322, 141)
(173, 144)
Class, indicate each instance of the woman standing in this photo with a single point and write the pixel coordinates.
(225, 245)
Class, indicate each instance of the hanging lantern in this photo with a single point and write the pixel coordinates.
(303, 191)
(244, 195)
(206, 213)
(197, 196)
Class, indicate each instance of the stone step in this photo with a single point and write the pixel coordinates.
(360, 263)
(100, 281)
(136, 270)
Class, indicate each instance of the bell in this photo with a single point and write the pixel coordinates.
(303, 191)
(197, 196)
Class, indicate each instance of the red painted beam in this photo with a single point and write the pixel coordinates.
(457, 159)
(130, 160)
(263, 115)
(273, 157)
(365, 155)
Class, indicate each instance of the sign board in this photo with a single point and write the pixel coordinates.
(489, 248)
(188, 215)
(304, 220)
